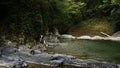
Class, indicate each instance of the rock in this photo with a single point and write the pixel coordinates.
(60, 60)
(97, 38)
(91, 38)
(117, 34)
(52, 39)
(9, 50)
(12, 62)
(112, 38)
(84, 37)
(58, 63)
(67, 36)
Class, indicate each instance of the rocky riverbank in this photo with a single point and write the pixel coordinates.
(12, 57)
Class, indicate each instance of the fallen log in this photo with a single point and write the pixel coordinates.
(105, 34)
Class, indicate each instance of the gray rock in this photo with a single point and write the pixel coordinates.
(117, 34)
(12, 62)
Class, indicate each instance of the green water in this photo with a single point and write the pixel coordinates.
(90, 49)
(86, 49)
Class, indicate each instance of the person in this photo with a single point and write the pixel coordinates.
(42, 40)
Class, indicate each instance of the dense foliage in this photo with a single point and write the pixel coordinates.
(34, 17)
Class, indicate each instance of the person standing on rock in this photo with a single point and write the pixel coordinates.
(41, 39)
(43, 42)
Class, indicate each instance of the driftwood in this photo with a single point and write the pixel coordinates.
(105, 34)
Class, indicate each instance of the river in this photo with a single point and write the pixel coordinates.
(90, 50)
(101, 50)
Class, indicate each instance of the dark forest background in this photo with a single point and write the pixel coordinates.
(35, 17)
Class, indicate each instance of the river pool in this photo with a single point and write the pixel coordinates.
(101, 50)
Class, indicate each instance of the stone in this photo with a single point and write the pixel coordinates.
(117, 34)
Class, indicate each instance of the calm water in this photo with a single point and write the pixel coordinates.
(90, 49)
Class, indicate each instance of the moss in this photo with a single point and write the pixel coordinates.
(93, 27)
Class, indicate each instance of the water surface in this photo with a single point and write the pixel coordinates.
(90, 49)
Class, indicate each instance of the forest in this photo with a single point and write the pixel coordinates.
(35, 17)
